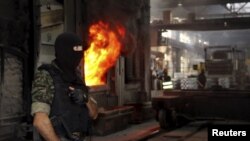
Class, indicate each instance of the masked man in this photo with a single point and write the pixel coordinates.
(61, 106)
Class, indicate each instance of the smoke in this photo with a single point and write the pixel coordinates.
(156, 9)
(158, 6)
(114, 12)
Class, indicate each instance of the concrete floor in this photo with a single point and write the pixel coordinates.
(198, 131)
(193, 131)
(132, 133)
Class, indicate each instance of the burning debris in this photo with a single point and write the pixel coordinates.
(107, 38)
(105, 46)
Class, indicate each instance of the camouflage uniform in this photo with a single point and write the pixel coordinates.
(42, 92)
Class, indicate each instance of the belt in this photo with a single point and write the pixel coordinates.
(64, 131)
(67, 139)
(77, 136)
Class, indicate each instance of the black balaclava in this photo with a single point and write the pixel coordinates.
(66, 58)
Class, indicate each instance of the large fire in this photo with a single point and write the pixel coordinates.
(104, 48)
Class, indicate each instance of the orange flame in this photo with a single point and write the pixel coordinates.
(104, 49)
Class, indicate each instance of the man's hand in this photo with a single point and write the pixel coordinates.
(93, 109)
(90, 103)
(79, 96)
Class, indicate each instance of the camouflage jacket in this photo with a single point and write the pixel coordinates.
(42, 92)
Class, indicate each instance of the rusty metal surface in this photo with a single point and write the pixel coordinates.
(112, 120)
(208, 24)
(134, 132)
(191, 132)
(206, 104)
(194, 131)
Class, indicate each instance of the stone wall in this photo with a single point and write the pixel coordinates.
(18, 54)
(12, 99)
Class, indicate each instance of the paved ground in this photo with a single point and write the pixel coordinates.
(133, 133)
(194, 131)
(191, 132)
